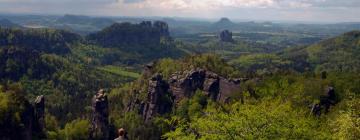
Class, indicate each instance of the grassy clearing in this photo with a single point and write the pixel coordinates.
(119, 71)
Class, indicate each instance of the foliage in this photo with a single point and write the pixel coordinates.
(119, 71)
(76, 130)
(42, 40)
(281, 111)
(209, 62)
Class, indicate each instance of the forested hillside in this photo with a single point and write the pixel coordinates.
(159, 87)
(64, 67)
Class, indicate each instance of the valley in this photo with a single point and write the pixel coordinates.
(79, 77)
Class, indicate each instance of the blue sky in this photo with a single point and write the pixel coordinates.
(291, 10)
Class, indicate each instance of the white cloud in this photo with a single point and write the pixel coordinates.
(242, 9)
(201, 4)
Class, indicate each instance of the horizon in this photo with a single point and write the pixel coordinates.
(179, 18)
(305, 11)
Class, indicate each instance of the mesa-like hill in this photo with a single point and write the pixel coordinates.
(146, 41)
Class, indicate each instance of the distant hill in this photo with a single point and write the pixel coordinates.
(82, 24)
(340, 53)
(125, 34)
(146, 40)
(5, 23)
(94, 21)
(41, 40)
(224, 23)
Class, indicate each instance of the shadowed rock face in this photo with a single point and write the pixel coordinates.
(39, 112)
(159, 100)
(100, 122)
(163, 95)
(216, 87)
(226, 36)
(227, 88)
(185, 86)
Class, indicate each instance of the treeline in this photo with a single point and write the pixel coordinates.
(42, 40)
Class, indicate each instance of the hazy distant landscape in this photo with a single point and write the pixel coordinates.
(179, 70)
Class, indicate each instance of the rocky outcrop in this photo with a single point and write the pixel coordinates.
(185, 85)
(326, 101)
(226, 36)
(146, 33)
(162, 95)
(216, 87)
(158, 100)
(39, 115)
(211, 85)
(163, 27)
(100, 123)
(227, 88)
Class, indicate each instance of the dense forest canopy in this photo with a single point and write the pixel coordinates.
(265, 84)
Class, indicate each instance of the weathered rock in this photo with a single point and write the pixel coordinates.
(163, 27)
(100, 122)
(227, 88)
(185, 86)
(39, 115)
(162, 95)
(158, 100)
(213, 85)
(148, 68)
(226, 36)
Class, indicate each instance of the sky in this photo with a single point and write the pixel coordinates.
(289, 10)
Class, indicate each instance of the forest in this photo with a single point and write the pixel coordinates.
(159, 83)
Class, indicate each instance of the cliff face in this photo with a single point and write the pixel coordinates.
(163, 95)
(214, 86)
(146, 33)
(226, 36)
(100, 122)
(39, 116)
(158, 100)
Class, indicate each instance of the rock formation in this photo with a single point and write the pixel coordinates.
(143, 34)
(162, 95)
(216, 87)
(100, 122)
(163, 27)
(185, 85)
(158, 100)
(39, 115)
(226, 36)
